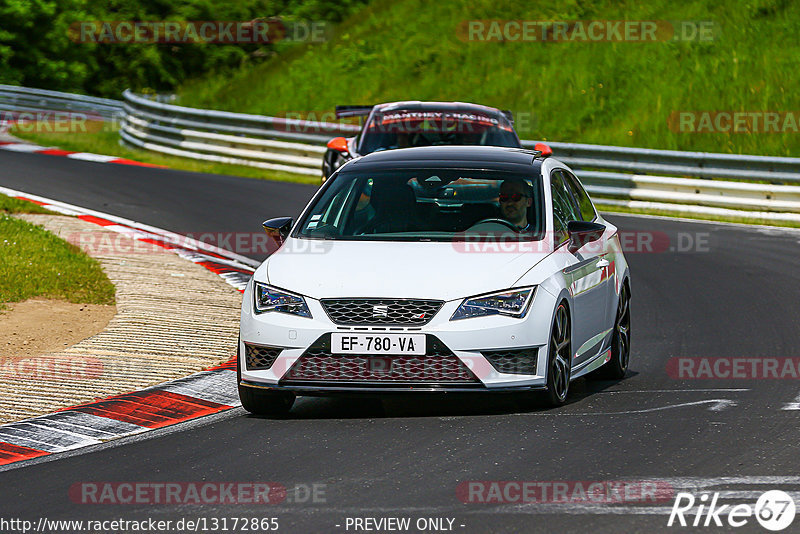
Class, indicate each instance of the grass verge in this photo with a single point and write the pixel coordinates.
(15, 205)
(622, 93)
(36, 263)
(99, 140)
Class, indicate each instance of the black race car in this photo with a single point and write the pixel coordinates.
(413, 124)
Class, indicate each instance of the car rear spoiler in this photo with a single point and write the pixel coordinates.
(508, 115)
(352, 111)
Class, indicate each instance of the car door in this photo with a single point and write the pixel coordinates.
(584, 274)
(588, 213)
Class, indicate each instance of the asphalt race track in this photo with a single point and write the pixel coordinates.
(732, 294)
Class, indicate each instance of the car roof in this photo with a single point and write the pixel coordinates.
(417, 105)
(450, 156)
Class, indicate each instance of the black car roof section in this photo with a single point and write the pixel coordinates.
(353, 111)
(474, 157)
(416, 105)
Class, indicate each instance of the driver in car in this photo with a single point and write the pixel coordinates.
(515, 199)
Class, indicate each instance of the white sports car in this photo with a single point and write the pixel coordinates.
(437, 269)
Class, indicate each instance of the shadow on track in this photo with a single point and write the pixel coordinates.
(437, 405)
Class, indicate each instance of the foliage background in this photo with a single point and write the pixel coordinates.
(36, 51)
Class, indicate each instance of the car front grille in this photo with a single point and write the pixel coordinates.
(439, 365)
(372, 312)
(259, 356)
(512, 361)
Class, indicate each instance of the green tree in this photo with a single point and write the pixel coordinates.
(41, 44)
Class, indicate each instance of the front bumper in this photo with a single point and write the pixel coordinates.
(368, 389)
(471, 345)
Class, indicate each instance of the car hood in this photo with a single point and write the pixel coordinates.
(432, 270)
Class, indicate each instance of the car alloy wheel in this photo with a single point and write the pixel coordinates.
(560, 358)
(622, 330)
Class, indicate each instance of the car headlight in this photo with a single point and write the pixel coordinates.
(269, 299)
(512, 302)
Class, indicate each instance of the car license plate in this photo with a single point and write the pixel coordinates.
(378, 343)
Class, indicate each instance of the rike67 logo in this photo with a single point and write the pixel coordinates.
(774, 510)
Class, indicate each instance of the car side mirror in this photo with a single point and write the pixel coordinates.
(544, 149)
(339, 144)
(581, 232)
(278, 228)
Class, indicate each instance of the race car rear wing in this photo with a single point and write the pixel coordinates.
(352, 111)
(363, 111)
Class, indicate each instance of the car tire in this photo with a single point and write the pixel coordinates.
(559, 360)
(260, 402)
(617, 367)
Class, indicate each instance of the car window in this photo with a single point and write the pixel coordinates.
(579, 193)
(406, 128)
(428, 204)
(564, 207)
(331, 218)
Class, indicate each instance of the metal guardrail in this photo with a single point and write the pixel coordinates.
(674, 162)
(274, 143)
(748, 200)
(24, 99)
(758, 187)
(635, 177)
(747, 187)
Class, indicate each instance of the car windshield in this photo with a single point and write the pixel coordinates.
(426, 205)
(406, 129)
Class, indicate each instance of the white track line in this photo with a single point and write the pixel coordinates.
(24, 147)
(792, 405)
(717, 405)
(670, 390)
